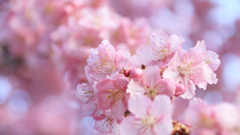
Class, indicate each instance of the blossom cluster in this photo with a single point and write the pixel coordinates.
(134, 94)
(45, 44)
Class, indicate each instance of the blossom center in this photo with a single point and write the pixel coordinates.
(160, 51)
(152, 91)
(207, 58)
(108, 121)
(146, 123)
(88, 93)
(115, 95)
(105, 64)
(186, 69)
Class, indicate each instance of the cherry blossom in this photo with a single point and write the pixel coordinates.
(112, 95)
(104, 121)
(46, 70)
(190, 69)
(151, 84)
(210, 57)
(106, 61)
(212, 119)
(160, 50)
(148, 117)
(86, 94)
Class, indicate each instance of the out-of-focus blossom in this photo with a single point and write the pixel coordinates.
(138, 8)
(222, 118)
(131, 33)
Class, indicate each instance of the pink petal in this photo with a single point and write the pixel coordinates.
(202, 73)
(139, 105)
(190, 91)
(172, 73)
(104, 126)
(106, 85)
(227, 115)
(163, 126)
(102, 99)
(128, 127)
(201, 45)
(215, 62)
(148, 132)
(175, 42)
(121, 61)
(88, 71)
(161, 106)
(135, 88)
(151, 75)
(143, 53)
(168, 87)
(195, 54)
(81, 90)
(88, 109)
(121, 82)
(157, 36)
(202, 85)
(107, 49)
(119, 109)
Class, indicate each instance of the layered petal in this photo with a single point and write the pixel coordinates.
(161, 106)
(164, 126)
(138, 105)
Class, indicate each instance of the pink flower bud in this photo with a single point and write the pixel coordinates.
(136, 73)
(180, 89)
(127, 73)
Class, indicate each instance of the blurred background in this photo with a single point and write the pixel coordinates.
(44, 45)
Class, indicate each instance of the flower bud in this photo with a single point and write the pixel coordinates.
(127, 73)
(136, 73)
(180, 89)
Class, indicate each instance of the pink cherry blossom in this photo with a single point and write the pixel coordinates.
(210, 57)
(148, 117)
(132, 33)
(106, 61)
(161, 49)
(222, 118)
(199, 113)
(190, 69)
(86, 94)
(105, 123)
(112, 95)
(227, 116)
(151, 84)
(136, 32)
